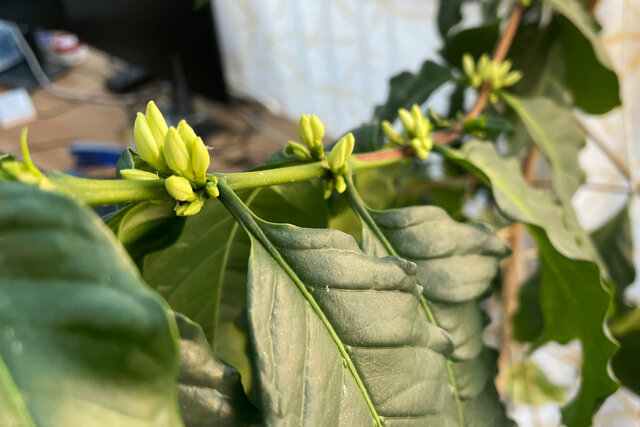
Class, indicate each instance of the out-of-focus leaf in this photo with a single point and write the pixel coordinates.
(527, 384)
(573, 298)
(475, 41)
(209, 391)
(556, 132)
(339, 338)
(528, 321)
(626, 329)
(615, 244)
(84, 340)
(406, 89)
(588, 70)
(449, 15)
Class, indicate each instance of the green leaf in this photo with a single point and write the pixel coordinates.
(83, 338)
(406, 89)
(528, 321)
(209, 391)
(203, 273)
(339, 338)
(529, 385)
(456, 263)
(596, 91)
(475, 41)
(626, 329)
(556, 132)
(449, 15)
(615, 244)
(573, 298)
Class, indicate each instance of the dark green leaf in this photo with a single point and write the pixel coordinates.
(556, 132)
(84, 340)
(626, 329)
(406, 89)
(475, 41)
(449, 15)
(573, 299)
(615, 245)
(528, 322)
(209, 391)
(339, 338)
(595, 91)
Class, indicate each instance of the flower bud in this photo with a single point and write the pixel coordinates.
(407, 120)
(147, 146)
(189, 209)
(340, 185)
(179, 188)
(420, 128)
(318, 128)
(176, 154)
(391, 134)
(156, 122)
(298, 150)
(305, 131)
(138, 175)
(186, 132)
(341, 151)
(200, 158)
(212, 189)
(512, 78)
(468, 65)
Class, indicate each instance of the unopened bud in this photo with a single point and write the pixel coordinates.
(138, 175)
(179, 188)
(341, 151)
(468, 65)
(189, 209)
(186, 132)
(407, 120)
(200, 158)
(305, 131)
(156, 122)
(212, 189)
(512, 78)
(340, 185)
(388, 130)
(176, 153)
(318, 128)
(147, 146)
(298, 150)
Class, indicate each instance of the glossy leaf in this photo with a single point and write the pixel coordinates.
(573, 299)
(456, 263)
(84, 340)
(339, 338)
(595, 91)
(209, 391)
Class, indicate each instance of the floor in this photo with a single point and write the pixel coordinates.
(248, 134)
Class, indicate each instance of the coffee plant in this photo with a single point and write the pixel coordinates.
(340, 283)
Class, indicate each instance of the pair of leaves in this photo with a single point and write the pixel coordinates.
(573, 299)
(338, 338)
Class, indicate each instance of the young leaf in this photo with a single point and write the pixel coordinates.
(456, 263)
(573, 299)
(338, 338)
(209, 391)
(83, 338)
(595, 91)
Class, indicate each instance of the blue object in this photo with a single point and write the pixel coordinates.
(88, 155)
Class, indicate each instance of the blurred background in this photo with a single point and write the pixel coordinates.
(242, 72)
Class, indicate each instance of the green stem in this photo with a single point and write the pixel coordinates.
(362, 211)
(97, 192)
(248, 221)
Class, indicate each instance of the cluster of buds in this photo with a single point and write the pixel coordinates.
(417, 129)
(497, 74)
(311, 132)
(176, 153)
(337, 164)
(26, 172)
